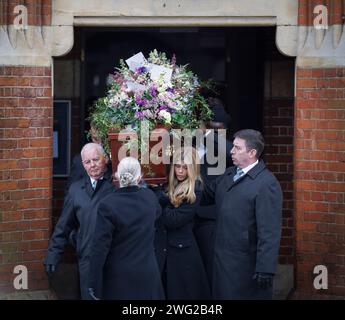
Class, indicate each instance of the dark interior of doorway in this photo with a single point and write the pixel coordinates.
(232, 57)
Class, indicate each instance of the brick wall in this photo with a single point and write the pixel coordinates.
(278, 156)
(278, 124)
(25, 171)
(39, 11)
(320, 177)
(336, 9)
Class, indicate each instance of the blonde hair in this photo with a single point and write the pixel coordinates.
(180, 191)
(128, 172)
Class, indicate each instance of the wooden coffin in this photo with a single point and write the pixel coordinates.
(152, 173)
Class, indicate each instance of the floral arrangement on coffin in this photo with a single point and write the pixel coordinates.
(156, 90)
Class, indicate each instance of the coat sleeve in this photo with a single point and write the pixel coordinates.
(158, 209)
(268, 210)
(101, 243)
(178, 217)
(67, 222)
(209, 193)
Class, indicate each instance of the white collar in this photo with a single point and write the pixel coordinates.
(92, 179)
(251, 166)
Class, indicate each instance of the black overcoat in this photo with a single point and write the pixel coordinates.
(79, 213)
(205, 219)
(123, 262)
(178, 254)
(248, 230)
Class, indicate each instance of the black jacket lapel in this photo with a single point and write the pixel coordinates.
(88, 186)
(251, 173)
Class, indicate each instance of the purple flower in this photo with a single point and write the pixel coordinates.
(171, 90)
(140, 102)
(162, 107)
(153, 91)
(141, 70)
(140, 115)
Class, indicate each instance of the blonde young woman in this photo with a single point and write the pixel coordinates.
(178, 256)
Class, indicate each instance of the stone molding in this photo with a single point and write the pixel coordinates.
(37, 44)
(322, 48)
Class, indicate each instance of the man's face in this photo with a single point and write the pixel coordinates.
(94, 163)
(239, 154)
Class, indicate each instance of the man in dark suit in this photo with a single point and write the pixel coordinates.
(80, 211)
(77, 169)
(248, 201)
(217, 144)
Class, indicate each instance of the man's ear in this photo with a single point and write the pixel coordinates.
(253, 153)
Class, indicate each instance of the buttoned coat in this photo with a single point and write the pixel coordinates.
(123, 262)
(178, 254)
(248, 231)
(79, 213)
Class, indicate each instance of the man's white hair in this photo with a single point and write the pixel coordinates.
(90, 146)
(128, 172)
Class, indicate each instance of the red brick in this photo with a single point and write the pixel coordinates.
(40, 163)
(23, 81)
(34, 256)
(43, 82)
(8, 185)
(33, 235)
(40, 143)
(36, 214)
(8, 81)
(317, 73)
(40, 183)
(35, 245)
(307, 83)
(40, 224)
(23, 164)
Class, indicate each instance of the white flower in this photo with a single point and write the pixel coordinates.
(178, 106)
(165, 115)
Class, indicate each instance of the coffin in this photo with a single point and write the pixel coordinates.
(152, 173)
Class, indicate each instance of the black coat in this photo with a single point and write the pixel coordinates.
(205, 219)
(249, 214)
(178, 254)
(123, 262)
(79, 213)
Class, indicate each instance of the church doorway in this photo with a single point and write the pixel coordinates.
(254, 80)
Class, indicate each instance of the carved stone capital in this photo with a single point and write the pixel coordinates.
(321, 47)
